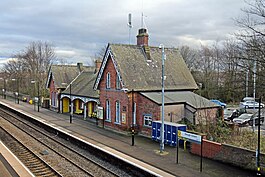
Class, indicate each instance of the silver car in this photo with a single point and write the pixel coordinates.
(242, 119)
(251, 104)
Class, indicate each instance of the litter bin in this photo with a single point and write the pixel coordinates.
(46, 103)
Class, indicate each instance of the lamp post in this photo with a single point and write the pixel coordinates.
(4, 89)
(38, 84)
(71, 106)
(16, 93)
(258, 149)
(38, 101)
(133, 121)
(161, 46)
(125, 90)
(33, 82)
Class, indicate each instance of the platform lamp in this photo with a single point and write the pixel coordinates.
(16, 93)
(133, 121)
(4, 89)
(258, 149)
(38, 102)
(71, 107)
(125, 90)
(161, 46)
(38, 85)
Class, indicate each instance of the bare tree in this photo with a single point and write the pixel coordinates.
(252, 40)
(31, 64)
(190, 57)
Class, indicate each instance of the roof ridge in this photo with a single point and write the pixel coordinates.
(134, 45)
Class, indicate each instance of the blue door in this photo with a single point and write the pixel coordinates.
(158, 128)
(154, 130)
(174, 136)
(168, 133)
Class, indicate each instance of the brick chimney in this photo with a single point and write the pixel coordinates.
(80, 67)
(142, 37)
(98, 64)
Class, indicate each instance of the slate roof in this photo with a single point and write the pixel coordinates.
(64, 74)
(82, 85)
(188, 97)
(142, 72)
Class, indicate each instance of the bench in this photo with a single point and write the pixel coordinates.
(79, 111)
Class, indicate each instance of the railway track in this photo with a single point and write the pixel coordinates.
(71, 157)
(35, 164)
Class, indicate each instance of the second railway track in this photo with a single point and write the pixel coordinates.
(35, 164)
(64, 157)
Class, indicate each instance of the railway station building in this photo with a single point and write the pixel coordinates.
(58, 80)
(84, 98)
(129, 85)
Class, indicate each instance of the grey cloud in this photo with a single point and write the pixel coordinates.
(86, 26)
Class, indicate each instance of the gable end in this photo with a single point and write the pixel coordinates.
(104, 62)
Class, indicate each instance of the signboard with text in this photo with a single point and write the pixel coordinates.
(100, 112)
(189, 137)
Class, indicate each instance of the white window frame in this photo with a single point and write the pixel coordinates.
(134, 113)
(82, 105)
(118, 85)
(108, 111)
(108, 81)
(148, 117)
(118, 112)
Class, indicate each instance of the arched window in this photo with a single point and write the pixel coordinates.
(118, 115)
(108, 81)
(118, 82)
(108, 113)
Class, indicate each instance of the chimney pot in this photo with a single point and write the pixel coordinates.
(98, 64)
(80, 67)
(142, 37)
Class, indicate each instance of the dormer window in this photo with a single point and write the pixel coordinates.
(108, 81)
(118, 82)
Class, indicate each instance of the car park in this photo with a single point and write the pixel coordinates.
(252, 119)
(230, 114)
(219, 103)
(255, 117)
(242, 119)
(248, 99)
(250, 104)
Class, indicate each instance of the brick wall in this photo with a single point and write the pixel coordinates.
(174, 113)
(240, 157)
(210, 149)
(143, 105)
(146, 106)
(112, 94)
(53, 94)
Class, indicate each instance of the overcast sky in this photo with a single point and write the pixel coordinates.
(80, 28)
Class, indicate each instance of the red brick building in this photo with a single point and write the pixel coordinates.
(128, 72)
(59, 77)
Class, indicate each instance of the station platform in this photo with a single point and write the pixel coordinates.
(145, 152)
(10, 165)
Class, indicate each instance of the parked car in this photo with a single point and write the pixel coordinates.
(219, 103)
(230, 114)
(251, 104)
(250, 122)
(248, 99)
(242, 119)
(255, 118)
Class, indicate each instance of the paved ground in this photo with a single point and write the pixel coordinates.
(145, 149)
